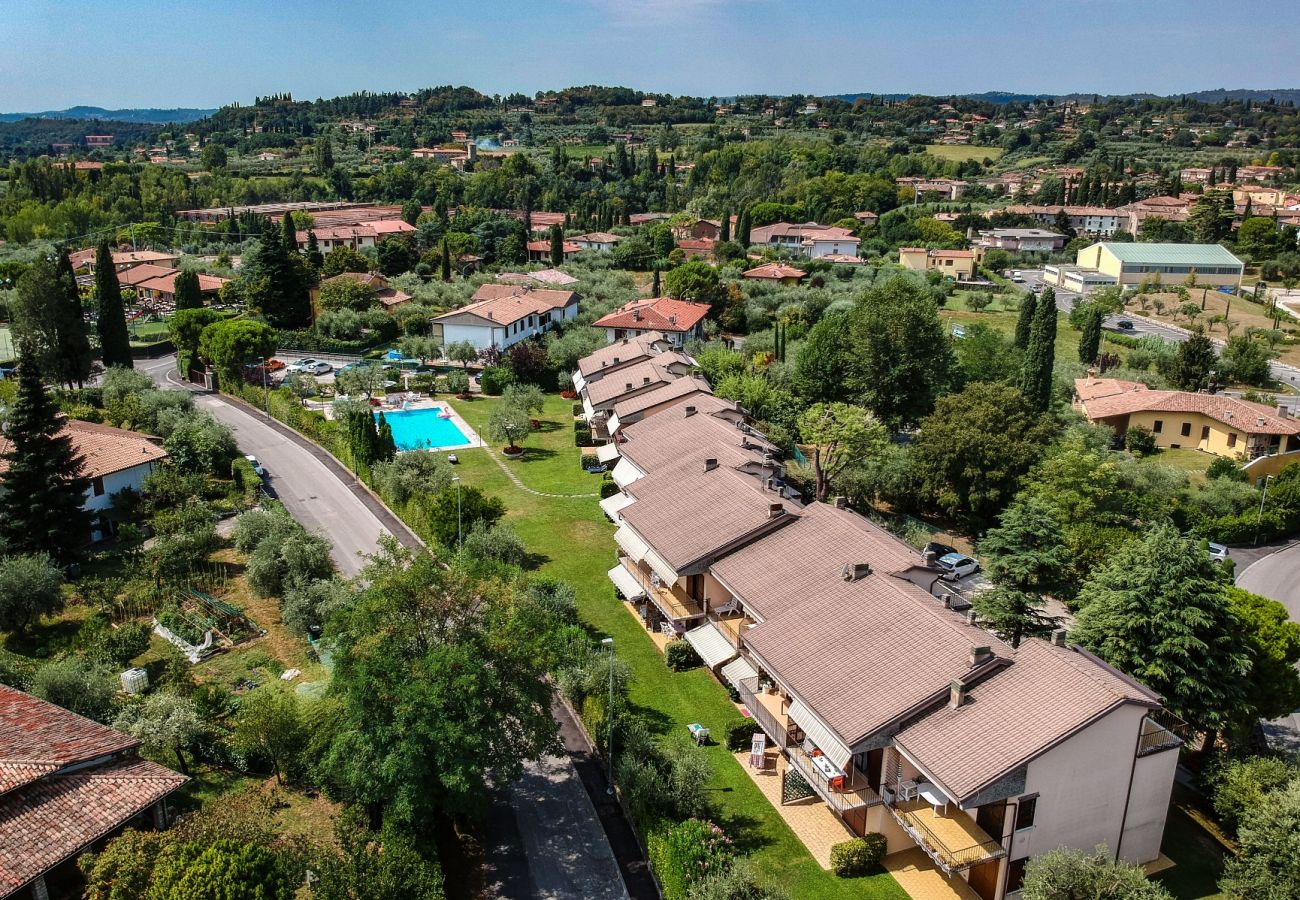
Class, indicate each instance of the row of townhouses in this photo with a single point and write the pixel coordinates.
(899, 712)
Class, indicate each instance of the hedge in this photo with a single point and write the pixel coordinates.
(739, 735)
(313, 342)
(608, 487)
(685, 854)
(495, 379)
(858, 856)
(679, 655)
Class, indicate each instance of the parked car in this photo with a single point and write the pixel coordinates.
(1018, 278)
(1036, 287)
(257, 465)
(311, 366)
(1124, 324)
(1218, 552)
(957, 565)
(939, 550)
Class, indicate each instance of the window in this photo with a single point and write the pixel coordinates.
(1026, 811)
(1205, 432)
(97, 487)
(1158, 426)
(1232, 439)
(1016, 874)
(1187, 429)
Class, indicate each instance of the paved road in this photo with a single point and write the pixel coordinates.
(547, 840)
(1276, 576)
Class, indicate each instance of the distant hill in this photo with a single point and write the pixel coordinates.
(1281, 95)
(139, 116)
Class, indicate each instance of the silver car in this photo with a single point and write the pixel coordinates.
(957, 565)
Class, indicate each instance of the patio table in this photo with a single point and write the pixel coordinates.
(828, 769)
(931, 795)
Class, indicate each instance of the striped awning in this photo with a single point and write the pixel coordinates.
(821, 736)
(628, 586)
(625, 473)
(738, 670)
(712, 645)
(607, 452)
(632, 545)
(614, 503)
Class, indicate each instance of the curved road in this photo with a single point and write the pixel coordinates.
(1276, 576)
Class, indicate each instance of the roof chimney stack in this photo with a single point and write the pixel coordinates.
(929, 557)
(1283, 411)
(972, 619)
(841, 502)
(629, 385)
(775, 510)
(855, 571)
(1058, 637)
(980, 655)
(956, 693)
(710, 464)
(690, 411)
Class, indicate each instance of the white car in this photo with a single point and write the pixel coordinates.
(311, 366)
(257, 466)
(957, 565)
(1218, 552)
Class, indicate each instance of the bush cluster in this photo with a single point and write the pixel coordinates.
(680, 656)
(858, 856)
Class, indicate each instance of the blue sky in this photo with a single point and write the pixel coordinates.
(121, 53)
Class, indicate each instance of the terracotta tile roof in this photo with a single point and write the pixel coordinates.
(144, 272)
(500, 310)
(672, 439)
(367, 279)
(391, 226)
(704, 245)
(1250, 418)
(620, 354)
(1044, 695)
(339, 233)
(842, 258)
(545, 246)
(37, 737)
(675, 390)
(658, 313)
(775, 270)
(103, 448)
(554, 299)
(1053, 209)
(635, 379)
(802, 230)
(543, 276)
(598, 237)
(167, 283)
(47, 821)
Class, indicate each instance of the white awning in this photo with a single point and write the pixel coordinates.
(737, 670)
(625, 473)
(614, 503)
(712, 645)
(633, 546)
(578, 381)
(613, 426)
(821, 736)
(628, 586)
(607, 452)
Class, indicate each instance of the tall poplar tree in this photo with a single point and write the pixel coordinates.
(188, 295)
(114, 340)
(1090, 337)
(557, 244)
(446, 261)
(1025, 324)
(41, 505)
(75, 356)
(724, 230)
(1036, 377)
(742, 227)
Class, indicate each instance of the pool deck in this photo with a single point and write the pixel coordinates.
(472, 439)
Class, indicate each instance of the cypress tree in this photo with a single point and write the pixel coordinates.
(1036, 378)
(75, 356)
(188, 295)
(41, 505)
(1195, 363)
(385, 446)
(114, 341)
(724, 232)
(315, 258)
(289, 234)
(1090, 338)
(742, 227)
(654, 285)
(557, 245)
(1025, 323)
(446, 261)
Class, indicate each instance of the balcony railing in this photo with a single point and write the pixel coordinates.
(672, 601)
(951, 839)
(761, 707)
(734, 627)
(1161, 730)
(852, 792)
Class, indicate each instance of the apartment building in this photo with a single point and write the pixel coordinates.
(806, 239)
(600, 397)
(502, 315)
(1083, 219)
(677, 320)
(897, 711)
(956, 264)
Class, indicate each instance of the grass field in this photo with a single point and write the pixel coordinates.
(575, 542)
(963, 152)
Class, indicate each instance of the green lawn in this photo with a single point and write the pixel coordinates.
(1193, 462)
(1198, 853)
(963, 152)
(575, 543)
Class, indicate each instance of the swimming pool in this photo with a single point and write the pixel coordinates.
(422, 429)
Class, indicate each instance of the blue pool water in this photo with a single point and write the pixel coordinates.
(421, 429)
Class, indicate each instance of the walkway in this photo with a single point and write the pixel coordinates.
(917, 875)
(811, 820)
(519, 484)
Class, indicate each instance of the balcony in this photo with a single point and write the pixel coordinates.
(734, 627)
(1161, 730)
(949, 836)
(767, 711)
(672, 601)
(843, 795)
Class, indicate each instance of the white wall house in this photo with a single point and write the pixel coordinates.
(505, 314)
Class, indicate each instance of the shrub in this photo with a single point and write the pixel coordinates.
(1241, 785)
(608, 486)
(590, 461)
(495, 379)
(1222, 467)
(582, 434)
(858, 856)
(1140, 441)
(569, 395)
(739, 735)
(685, 854)
(681, 656)
(577, 409)
(1242, 528)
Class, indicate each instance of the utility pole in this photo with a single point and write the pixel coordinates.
(459, 532)
(1262, 500)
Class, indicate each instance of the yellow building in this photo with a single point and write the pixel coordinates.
(1213, 423)
(957, 264)
(1134, 263)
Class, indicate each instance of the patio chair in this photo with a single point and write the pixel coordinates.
(667, 629)
(726, 609)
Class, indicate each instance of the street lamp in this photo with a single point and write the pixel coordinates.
(459, 537)
(609, 719)
(266, 401)
(1262, 500)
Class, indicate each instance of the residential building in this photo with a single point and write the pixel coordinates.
(619, 355)
(1133, 263)
(501, 315)
(99, 141)
(331, 237)
(1021, 240)
(124, 259)
(1172, 209)
(677, 320)
(1213, 423)
(1083, 219)
(1081, 280)
(776, 272)
(697, 248)
(877, 696)
(553, 277)
(540, 251)
(601, 241)
(66, 785)
(805, 239)
(866, 217)
(601, 396)
(956, 264)
(710, 229)
(114, 460)
(688, 388)
(162, 288)
(947, 188)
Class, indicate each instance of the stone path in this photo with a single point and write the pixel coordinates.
(523, 487)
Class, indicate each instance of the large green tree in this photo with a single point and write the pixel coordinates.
(823, 358)
(114, 339)
(188, 295)
(275, 280)
(1040, 356)
(971, 453)
(1195, 363)
(376, 865)
(231, 344)
(840, 435)
(1273, 642)
(1068, 874)
(439, 680)
(1267, 862)
(1090, 336)
(902, 356)
(1159, 611)
(47, 311)
(31, 586)
(1025, 321)
(270, 726)
(41, 505)
(223, 870)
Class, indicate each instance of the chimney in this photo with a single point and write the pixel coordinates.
(972, 619)
(616, 360)
(690, 411)
(841, 502)
(947, 601)
(775, 510)
(645, 380)
(956, 693)
(636, 315)
(929, 558)
(1282, 410)
(710, 464)
(980, 655)
(625, 342)
(1058, 637)
(855, 571)
(629, 385)
(672, 319)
